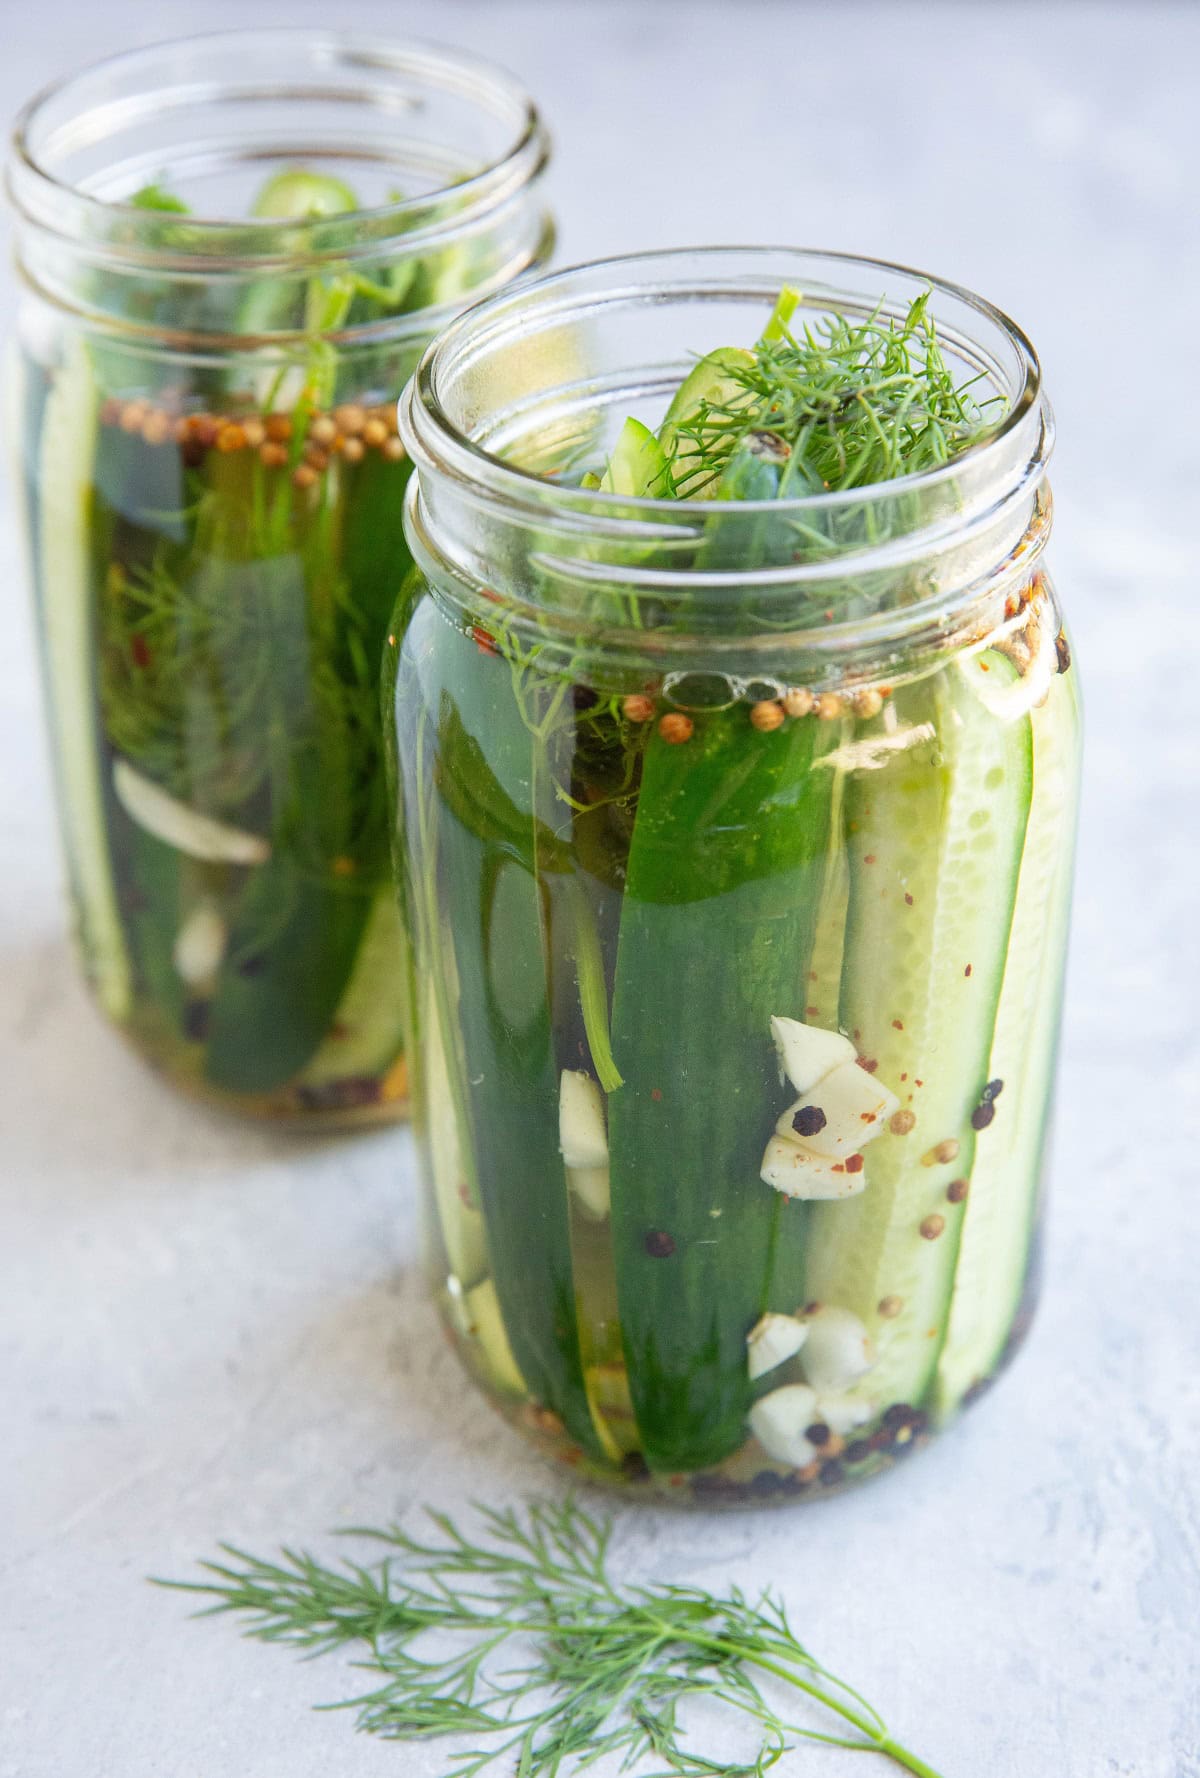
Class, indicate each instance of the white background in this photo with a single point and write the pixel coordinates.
(208, 1331)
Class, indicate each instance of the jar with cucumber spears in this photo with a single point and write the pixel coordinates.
(232, 252)
(737, 736)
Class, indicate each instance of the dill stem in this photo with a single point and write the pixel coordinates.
(593, 993)
(875, 1740)
(910, 1761)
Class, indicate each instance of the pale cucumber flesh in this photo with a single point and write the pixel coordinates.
(934, 840)
(1001, 1210)
(64, 571)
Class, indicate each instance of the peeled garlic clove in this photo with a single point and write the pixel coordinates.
(169, 820)
(807, 1053)
(772, 1341)
(844, 1110)
(843, 1413)
(838, 1350)
(799, 1173)
(200, 945)
(780, 1420)
(582, 1131)
(592, 1187)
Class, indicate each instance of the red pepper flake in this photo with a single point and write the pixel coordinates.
(490, 593)
(483, 640)
(867, 1062)
(139, 648)
(854, 1163)
(908, 900)
(869, 858)
(656, 1094)
(904, 1077)
(983, 667)
(837, 1167)
(920, 1083)
(812, 1012)
(967, 970)
(868, 1117)
(897, 1024)
(812, 975)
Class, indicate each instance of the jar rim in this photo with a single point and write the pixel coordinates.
(62, 207)
(435, 439)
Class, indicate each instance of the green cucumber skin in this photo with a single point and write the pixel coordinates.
(942, 822)
(489, 807)
(724, 881)
(995, 1257)
(275, 1002)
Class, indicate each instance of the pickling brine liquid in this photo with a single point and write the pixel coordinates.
(738, 1006)
(212, 588)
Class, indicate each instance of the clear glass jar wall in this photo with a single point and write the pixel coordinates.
(233, 250)
(693, 789)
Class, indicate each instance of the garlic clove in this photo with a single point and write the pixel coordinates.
(838, 1351)
(844, 1413)
(173, 822)
(780, 1420)
(844, 1110)
(582, 1131)
(772, 1341)
(592, 1187)
(807, 1053)
(200, 945)
(798, 1173)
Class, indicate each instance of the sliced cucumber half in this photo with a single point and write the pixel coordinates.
(935, 840)
(1001, 1208)
(66, 471)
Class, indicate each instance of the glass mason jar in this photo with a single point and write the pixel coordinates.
(203, 400)
(678, 779)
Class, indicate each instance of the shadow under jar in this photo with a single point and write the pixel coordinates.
(233, 251)
(737, 850)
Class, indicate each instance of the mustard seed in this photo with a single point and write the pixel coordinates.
(932, 1227)
(901, 1122)
(675, 727)
(767, 716)
(957, 1190)
(829, 706)
(636, 708)
(890, 1306)
(797, 701)
(323, 430)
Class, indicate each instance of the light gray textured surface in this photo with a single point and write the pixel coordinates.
(208, 1331)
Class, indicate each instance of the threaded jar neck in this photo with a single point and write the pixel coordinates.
(444, 152)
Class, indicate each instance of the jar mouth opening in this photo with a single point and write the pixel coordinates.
(717, 274)
(64, 206)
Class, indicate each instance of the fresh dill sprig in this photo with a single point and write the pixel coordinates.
(851, 403)
(601, 1668)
